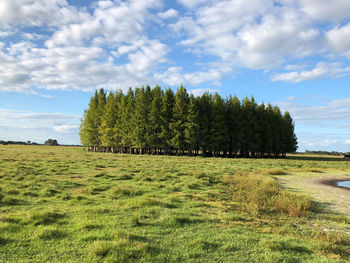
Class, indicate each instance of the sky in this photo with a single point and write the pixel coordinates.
(291, 53)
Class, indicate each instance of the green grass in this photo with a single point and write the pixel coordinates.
(65, 204)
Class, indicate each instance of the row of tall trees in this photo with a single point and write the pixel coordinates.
(146, 120)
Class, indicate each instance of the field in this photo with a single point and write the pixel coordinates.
(64, 204)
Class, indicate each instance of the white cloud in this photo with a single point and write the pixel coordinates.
(174, 76)
(347, 141)
(331, 111)
(66, 128)
(75, 56)
(38, 12)
(194, 3)
(322, 70)
(295, 67)
(339, 39)
(200, 92)
(335, 10)
(263, 35)
(109, 24)
(115, 43)
(171, 13)
(249, 34)
(23, 115)
(38, 126)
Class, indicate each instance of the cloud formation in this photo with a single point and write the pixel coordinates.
(38, 126)
(117, 44)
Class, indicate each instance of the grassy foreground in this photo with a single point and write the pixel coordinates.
(64, 204)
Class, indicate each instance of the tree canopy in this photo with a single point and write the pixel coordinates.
(150, 120)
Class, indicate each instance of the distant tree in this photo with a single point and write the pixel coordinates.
(149, 120)
(140, 117)
(218, 128)
(51, 142)
(290, 139)
(192, 135)
(119, 122)
(278, 145)
(166, 116)
(234, 124)
(178, 124)
(205, 122)
(108, 119)
(127, 118)
(155, 121)
(89, 124)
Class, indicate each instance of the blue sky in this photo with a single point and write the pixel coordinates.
(292, 53)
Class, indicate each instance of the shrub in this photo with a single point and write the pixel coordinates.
(135, 221)
(100, 248)
(93, 190)
(257, 193)
(50, 233)
(276, 172)
(44, 217)
(126, 190)
(122, 250)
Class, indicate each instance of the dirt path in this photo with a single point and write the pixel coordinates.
(321, 187)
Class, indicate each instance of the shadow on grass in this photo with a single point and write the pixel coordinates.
(3, 241)
(322, 208)
(318, 158)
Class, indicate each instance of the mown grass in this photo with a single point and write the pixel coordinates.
(63, 204)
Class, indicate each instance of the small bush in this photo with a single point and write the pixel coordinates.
(121, 234)
(135, 221)
(332, 237)
(258, 193)
(120, 251)
(126, 190)
(276, 172)
(100, 248)
(93, 190)
(44, 217)
(50, 233)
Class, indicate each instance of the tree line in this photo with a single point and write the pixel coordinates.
(153, 121)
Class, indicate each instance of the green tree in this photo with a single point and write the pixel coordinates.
(179, 119)
(126, 123)
(277, 131)
(89, 123)
(155, 121)
(291, 143)
(166, 117)
(250, 127)
(205, 102)
(101, 103)
(51, 142)
(121, 102)
(234, 123)
(141, 117)
(192, 139)
(218, 128)
(109, 117)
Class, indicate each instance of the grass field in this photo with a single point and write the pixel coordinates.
(64, 204)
